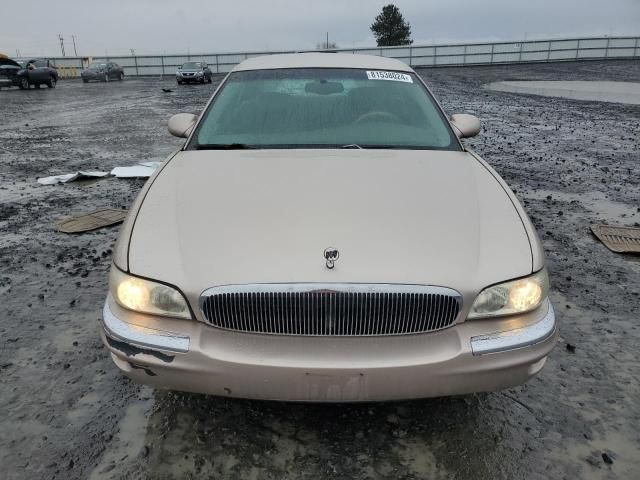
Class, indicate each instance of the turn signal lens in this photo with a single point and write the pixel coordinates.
(147, 296)
(516, 296)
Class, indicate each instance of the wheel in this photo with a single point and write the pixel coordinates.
(209, 79)
(179, 82)
(24, 83)
(121, 76)
(36, 85)
(52, 82)
(85, 80)
(202, 81)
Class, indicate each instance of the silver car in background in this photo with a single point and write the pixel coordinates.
(194, 72)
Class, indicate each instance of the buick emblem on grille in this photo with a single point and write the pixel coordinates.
(331, 255)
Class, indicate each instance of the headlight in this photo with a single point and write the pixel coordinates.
(516, 296)
(198, 74)
(146, 296)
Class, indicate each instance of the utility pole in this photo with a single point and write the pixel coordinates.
(133, 52)
(73, 37)
(61, 44)
(327, 44)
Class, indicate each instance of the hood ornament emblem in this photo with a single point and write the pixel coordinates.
(331, 255)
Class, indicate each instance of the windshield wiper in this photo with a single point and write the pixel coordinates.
(223, 146)
(352, 145)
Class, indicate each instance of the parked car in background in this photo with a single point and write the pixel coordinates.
(36, 72)
(9, 72)
(324, 235)
(103, 72)
(196, 72)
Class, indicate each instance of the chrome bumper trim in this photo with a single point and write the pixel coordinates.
(142, 336)
(518, 338)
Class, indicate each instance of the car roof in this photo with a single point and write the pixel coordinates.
(322, 60)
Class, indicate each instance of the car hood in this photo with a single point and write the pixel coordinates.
(266, 216)
(191, 70)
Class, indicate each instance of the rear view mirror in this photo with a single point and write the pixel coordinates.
(181, 124)
(323, 87)
(465, 125)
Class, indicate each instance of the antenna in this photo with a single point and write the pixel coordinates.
(61, 44)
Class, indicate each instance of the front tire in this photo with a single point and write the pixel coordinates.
(179, 82)
(209, 80)
(24, 83)
(85, 80)
(52, 82)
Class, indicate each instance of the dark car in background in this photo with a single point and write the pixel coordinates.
(37, 72)
(103, 72)
(9, 72)
(196, 72)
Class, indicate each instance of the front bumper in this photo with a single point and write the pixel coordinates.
(480, 355)
(190, 78)
(93, 75)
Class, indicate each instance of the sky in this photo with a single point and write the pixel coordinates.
(114, 27)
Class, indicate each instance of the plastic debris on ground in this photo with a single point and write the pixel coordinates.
(103, 217)
(70, 177)
(618, 239)
(140, 170)
(143, 169)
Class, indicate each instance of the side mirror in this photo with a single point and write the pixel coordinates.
(181, 124)
(465, 125)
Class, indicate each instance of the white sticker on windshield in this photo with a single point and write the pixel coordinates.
(394, 76)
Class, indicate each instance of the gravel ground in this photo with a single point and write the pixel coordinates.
(67, 412)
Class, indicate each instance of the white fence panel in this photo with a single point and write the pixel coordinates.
(414, 55)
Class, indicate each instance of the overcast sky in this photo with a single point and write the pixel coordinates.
(203, 26)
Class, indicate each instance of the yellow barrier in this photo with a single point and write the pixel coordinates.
(67, 72)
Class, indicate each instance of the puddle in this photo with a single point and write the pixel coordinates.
(130, 439)
(596, 202)
(616, 92)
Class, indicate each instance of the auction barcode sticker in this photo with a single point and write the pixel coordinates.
(394, 76)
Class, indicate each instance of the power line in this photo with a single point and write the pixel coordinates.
(61, 44)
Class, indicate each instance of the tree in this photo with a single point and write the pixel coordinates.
(390, 28)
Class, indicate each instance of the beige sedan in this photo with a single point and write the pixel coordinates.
(324, 235)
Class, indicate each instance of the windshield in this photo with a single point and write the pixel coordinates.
(330, 108)
(96, 65)
(191, 66)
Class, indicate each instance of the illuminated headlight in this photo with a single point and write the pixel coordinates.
(516, 296)
(146, 296)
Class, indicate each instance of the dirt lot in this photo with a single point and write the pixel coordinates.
(67, 413)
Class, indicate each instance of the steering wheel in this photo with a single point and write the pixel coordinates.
(370, 116)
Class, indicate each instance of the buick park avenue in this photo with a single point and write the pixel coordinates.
(324, 235)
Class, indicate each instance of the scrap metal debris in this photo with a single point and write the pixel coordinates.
(103, 217)
(70, 177)
(140, 170)
(618, 239)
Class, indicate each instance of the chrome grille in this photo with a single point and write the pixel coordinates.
(331, 309)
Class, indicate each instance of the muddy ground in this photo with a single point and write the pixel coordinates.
(66, 412)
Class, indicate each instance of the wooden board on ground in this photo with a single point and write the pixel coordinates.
(618, 239)
(103, 217)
